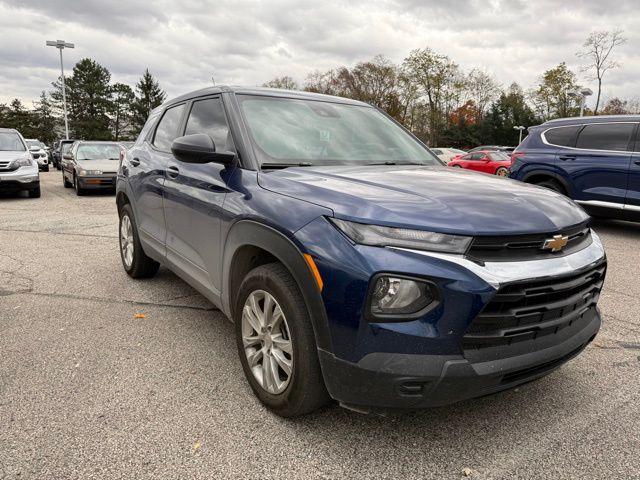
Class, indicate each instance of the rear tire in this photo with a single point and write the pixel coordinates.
(552, 185)
(135, 262)
(305, 390)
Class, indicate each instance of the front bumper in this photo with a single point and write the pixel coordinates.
(404, 381)
(105, 181)
(24, 178)
(425, 362)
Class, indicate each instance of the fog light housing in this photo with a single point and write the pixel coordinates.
(400, 297)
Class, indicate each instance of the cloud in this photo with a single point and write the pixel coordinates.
(186, 43)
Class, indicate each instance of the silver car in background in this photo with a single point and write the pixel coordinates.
(447, 154)
(91, 165)
(18, 170)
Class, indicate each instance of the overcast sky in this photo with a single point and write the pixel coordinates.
(247, 42)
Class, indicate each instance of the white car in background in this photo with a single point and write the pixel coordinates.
(39, 153)
(447, 154)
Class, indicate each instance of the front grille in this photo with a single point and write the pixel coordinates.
(527, 247)
(7, 166)
(531, 310)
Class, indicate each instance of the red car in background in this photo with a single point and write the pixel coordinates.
(486, 161)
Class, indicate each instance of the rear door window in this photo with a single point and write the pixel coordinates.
(608, 136)
(562, 136)
(168, 128)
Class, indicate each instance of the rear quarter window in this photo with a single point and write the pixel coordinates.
(562, 136)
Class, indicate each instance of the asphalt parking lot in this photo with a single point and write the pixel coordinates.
(87, 390)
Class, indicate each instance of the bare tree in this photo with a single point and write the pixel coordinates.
(482, 88)
(597, 50)
(286, 83)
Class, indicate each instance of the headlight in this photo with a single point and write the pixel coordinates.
(82, 172)
(397, 296)
(380, 236)
(22, 162)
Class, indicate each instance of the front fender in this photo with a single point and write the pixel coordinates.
(252, 233)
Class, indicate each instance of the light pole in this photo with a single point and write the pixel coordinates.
(520, 128)
(582, 95)
(60, 45)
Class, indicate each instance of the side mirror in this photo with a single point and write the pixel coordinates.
(199, 148)
(34, 148)
(67, 156)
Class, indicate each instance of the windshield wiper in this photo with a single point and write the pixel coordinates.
(285, 165)
(396, 163)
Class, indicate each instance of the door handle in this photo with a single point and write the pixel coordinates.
(135, 161)
(567, 157)
(173, 171)
(637, 162)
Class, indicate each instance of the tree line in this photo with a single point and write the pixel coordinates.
(427, 92)
(445, 106)
(96, 108)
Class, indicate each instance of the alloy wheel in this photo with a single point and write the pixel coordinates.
(126, 240)
(267, 341)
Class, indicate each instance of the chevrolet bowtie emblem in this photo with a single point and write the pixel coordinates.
(555, 244)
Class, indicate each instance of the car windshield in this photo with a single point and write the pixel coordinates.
(288, 131)
(10, 142)
(98, 151)
(34, 143)
(498, 156)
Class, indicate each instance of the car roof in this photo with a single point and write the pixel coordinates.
(591, 119)
(8, 130)
(263, 91)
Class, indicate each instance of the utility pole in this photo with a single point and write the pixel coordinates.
(60, 45)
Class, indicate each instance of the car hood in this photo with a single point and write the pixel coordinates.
(12, 155)
(103, 165)
(432, 198)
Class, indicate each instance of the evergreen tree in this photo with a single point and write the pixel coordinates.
(88, 100)
(122, 99)
(18, 117)
(45, 122)
(149, 95)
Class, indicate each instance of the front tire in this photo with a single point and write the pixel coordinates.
(35, 193)
(276, 343)
(135, 262)
(502, 172)
(65, 182)
(76, 185)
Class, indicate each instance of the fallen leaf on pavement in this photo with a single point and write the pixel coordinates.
(467, 472)
(139, 315)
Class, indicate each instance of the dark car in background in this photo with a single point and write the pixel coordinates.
(593, 160)
(91, 165)
(59, 149)
(355, 265)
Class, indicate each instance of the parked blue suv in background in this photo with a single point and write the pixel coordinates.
(593, 160)
(354, 264)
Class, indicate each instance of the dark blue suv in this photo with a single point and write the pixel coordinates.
(354, 265)
(593, 160)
